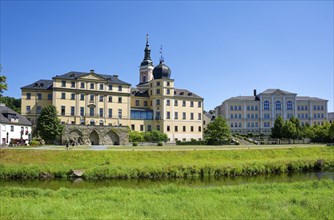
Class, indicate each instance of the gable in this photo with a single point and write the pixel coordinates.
(91, 76)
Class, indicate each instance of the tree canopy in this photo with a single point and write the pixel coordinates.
(3, 84)
(218, 131)
(12, 103)
(49, 126)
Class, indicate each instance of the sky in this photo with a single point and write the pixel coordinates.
(216, 49)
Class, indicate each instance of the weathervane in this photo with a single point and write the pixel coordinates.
(146, 39)
(161, 57)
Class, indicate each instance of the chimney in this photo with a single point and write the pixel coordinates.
(116, 76)
(254, 92)
(91, 71)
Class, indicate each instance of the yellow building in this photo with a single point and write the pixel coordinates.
(90, 98)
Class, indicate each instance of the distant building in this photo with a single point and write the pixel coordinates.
(331, 117)
(256, 114)
(14, 127)
(207, 118)
(90, 98)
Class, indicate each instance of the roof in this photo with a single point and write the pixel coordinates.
(307, 98)
(5, 111)
(42, 84)
(185, 93)
(243, 98)
(139, 92)
(73, 75)
(271, 91)
(211, 116)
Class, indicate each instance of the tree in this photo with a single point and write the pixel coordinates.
(49, 126)
(289, 130)
(3, 84)
(12, 103)
(298, 127)
(155, 136)
(331, 131)
(136, 136)
(276, 131)
(218, 131)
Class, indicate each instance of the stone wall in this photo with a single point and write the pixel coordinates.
(95, 135)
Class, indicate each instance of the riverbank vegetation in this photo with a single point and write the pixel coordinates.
(162, 164)
(300, 200)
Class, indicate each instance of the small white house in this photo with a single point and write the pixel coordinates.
(14, 127)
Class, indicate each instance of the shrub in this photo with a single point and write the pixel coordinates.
(135, 144)
(160, 143)
(34, 143)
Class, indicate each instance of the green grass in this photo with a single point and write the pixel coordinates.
(163, 164)
(300, 200)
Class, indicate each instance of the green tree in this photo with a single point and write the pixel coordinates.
(136, 136)
(307, 131)
(331, 131)
(218, 131)
(49, 126)
(276, 131)
(155, 136)
(298, 127)
(3, 84)
(12, 103)
(289, 130)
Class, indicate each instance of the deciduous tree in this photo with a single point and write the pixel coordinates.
(218, 131)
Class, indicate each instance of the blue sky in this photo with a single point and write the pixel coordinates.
(216, 49)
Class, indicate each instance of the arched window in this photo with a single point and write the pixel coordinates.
(318, 115)
(239, 107)
(322, 115)
(231, 107)
(302, 107)
(252, 115)
(239, 124)
(318, 107)
(231, 115)
(289, 105)
(322, 107)
(278, 105)
(252, 124)
(239, 115)
(248, 116)
(252, 108)
(236, 125)
(248, 108)
(256, 124)
(266, 105)
(235, 107)
(231, 124)
(302, 115)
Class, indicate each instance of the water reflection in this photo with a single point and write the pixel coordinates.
(145, 183)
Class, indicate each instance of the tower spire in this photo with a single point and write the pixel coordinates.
(161, 57)
(147, 56)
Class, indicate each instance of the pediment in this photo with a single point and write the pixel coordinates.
(92, 76)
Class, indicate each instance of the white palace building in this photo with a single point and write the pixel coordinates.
(256, 114)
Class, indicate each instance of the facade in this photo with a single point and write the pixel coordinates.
(331, 117)
(14, 127)
(256, 114)
(89, 98)
(207, 119)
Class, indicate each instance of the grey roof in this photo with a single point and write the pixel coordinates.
(243, 98)
(211, 116)
(185, 93)
(139, 92)
(42, 84)
(271, 91)
(74, 75)
(5, 111)
(307, 98)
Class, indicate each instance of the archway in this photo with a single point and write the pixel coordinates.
(94, 138)
(75, 137)
(112, 138)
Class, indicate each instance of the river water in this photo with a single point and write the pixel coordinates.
(192, 182)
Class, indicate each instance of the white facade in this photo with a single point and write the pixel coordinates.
(10, 132)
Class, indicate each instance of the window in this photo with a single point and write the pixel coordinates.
(199, 104)
(266, 105)
(175, 102)
(119, 99)
(199, 116)
(101, 98)
(239, 124)
(101, 87)
(235, 124)
(302, 115)
(168, 115)
(149, 127)
(157, 115)
(91, 85)
(278, 105)
(145, 103)
(322, 115)
(184, 103)
(184, 129)
(119, 88)
(168, 102)
(298, 107)
(168, 91)
(252, 116)
(91, 97)
(11, 128)
(239, 107)
(231, 107)
(305, 107)
(158, 83)
(63, 83)
(239, 115)
(252, 108)
(82, 111)
(191, 104)
(119, 113)
(63, 95)
(306, 115)
(28, 109)
(158, 91)
(322, 107)
(231, 125)
(298, 115)
(176, 115)
(191, 116)
(248, 108)
(39, 109)
(82, 85)
(256, 116)
(248, 115)
(72, 110)
(318, 107)
(101, 112)
(256, 108)
(176, 129)
(82, 97)
(231, 115)
(314, 107)
(110, 113)
(62, 110)
(110, 87)
(199, 128)
(39, 96)
(289, 105)
(72, 84)
(314, 115)
(49, 96)
(28, 95)
(184, 115)
(72, 96)
(158, 127)
(235, 115)
(91, 111)
(110, 98)
(235, 108)
(157, 102)
(192, 128)
(141, 127)
(168, 128)
(137, 102)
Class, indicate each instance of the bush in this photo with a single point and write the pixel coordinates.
(34, 143)
(160, 143)
(135, 144)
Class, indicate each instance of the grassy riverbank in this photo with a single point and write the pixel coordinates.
(162, 164)
(300, 200)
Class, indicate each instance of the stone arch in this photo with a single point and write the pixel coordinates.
(111, 138)
(94, 138)
(75, 137)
